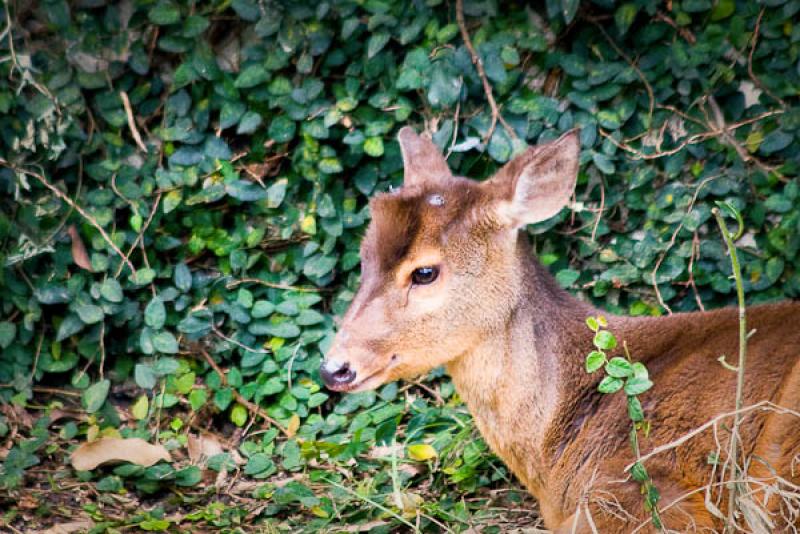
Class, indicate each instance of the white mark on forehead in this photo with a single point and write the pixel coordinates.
(436, 200)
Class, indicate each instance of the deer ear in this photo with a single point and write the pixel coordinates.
(422, 160)
(535, 185)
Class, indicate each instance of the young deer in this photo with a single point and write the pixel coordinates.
(448, 279)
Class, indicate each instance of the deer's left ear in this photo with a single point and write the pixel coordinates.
(535, 185)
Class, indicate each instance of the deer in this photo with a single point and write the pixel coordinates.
(449, 278)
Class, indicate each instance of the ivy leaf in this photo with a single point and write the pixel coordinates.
(594, 361)
(639, 473)
(635, 411)
(610, 384)
(144, 376)
(165, 342)
(605, 340)
(140, 408)
(111, 290)
(376, 43)
(164, 13)
(8, 331)
(373, 146)
(251, 76)
(89, 313)
(155, 314)
(619, 367)
(239, 415)
(636, 386)
(95, 395)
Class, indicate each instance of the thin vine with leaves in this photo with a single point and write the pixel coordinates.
(634, 379)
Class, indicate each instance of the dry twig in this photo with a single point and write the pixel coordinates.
(253, 408)
(126, 103)
(60, 194)
(235, 283)
(750, 72)
(487, 87)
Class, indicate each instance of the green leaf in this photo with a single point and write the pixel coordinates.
(144, 376)
(610, 384)
(723, 9)
(605, 340)
(636, 386)
(198, 398)
(251, 76)
(95, 395)
(569, 8)
(8, 331)
(376, 43)
(594, 361)
(182, 277)
(635, 411)
(639, 473)
(155, 525)
(373, 146)
(249, 122)
(639, 370)
(775, 141)
(111, 290)
(164, 13)
(592, 323)
(567, 277)
(143, 276)
(619, 367)
(165, 343)
(89, 313)
(624, 16)
(239, 415)
(155, 314)
(190, 475)
(140, 408)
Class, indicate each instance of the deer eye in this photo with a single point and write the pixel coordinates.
(424, 275)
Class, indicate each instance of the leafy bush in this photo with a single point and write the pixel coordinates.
(184, 178)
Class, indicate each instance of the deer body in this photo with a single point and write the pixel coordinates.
(448, 280)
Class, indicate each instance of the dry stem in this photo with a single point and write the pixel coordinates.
(126, 103)
(487, 88)
(253, 408)
(60, 194)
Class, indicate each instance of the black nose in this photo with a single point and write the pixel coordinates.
(336, 373)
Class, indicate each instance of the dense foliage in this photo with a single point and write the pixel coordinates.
(182, 179)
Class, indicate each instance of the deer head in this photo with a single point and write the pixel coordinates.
(441, 263)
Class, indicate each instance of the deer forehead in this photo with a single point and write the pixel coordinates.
(414, 225)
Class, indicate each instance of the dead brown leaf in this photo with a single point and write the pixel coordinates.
(105, 450)
(79, 254)
(69, 528)
(202, 447)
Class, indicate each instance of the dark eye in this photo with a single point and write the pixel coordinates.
(424, 275)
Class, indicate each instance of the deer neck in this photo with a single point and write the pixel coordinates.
(515, 381)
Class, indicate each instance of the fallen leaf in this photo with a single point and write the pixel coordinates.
(134, 450)
(69, 528)
(385, 451)
(203, 447)
(79, 254)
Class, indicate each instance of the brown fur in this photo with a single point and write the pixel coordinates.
(514, 344)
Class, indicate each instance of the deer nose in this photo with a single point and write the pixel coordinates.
(336, 373)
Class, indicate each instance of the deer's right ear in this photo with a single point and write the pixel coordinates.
(422, 160)
(535, 185)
